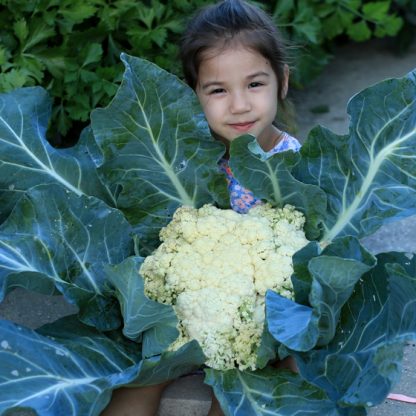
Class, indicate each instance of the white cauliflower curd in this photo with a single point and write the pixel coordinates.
(214, 266)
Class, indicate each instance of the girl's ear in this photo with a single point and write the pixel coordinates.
(285, 82)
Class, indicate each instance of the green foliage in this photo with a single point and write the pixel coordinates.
(311, 26)
(407, 34)
(72, 48)
(267, 392)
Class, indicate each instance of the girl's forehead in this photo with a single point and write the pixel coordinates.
(227, 49)
(232, 60)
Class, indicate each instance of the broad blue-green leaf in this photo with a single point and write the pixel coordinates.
(70, 372)
(333, 276)
(301, 277)
(267, 350)
(154, 324)
(363, 361)
(349, 248)
(157, 148)
(271, 179)
(144, 319)
(55, 238)
(268, 392)
(170, 365)
(368, 175)
(290, 323)
(27, 159)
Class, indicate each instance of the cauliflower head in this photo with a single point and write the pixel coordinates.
(214, 266)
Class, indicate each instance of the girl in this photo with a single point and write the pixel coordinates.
(234, 59)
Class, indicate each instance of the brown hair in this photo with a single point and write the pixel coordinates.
(227, 23)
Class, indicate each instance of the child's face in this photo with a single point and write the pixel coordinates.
(238, 91)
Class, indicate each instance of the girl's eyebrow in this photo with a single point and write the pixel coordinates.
(258, 74)
(210, 84)
(248, 77)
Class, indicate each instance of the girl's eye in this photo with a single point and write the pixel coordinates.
(255, 84)
(217, 91)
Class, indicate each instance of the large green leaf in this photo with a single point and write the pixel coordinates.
(171, 365)
(157, 148)
(66, 369)
(55, 238)
(27, 159)
(268, 348)
(270, 178)
(368, 175)
(360, 365)
(152, 323)
(269, 392)
(333, 275)
(155, 324)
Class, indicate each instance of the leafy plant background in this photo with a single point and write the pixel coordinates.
(72, 48)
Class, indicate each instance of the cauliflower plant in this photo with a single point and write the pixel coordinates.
(214, 266)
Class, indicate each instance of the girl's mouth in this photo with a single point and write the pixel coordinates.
(242, 127)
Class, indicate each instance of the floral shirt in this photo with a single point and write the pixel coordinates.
(242, 199)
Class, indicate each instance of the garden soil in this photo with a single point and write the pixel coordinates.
(324, 102)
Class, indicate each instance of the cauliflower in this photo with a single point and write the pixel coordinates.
(214, 266)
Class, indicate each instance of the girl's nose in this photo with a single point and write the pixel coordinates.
(240, 103)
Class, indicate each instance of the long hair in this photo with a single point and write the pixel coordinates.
(231, 23)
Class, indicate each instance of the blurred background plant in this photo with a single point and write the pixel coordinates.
(72, 47)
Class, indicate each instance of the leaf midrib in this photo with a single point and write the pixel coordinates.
(183, 195)
(373, 168)
(51, 172)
